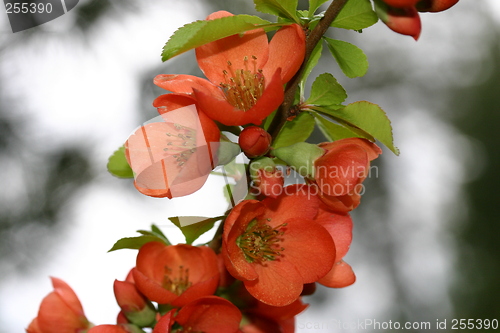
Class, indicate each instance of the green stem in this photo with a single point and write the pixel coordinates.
(313, 38)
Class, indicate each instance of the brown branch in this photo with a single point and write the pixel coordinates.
(286, 108)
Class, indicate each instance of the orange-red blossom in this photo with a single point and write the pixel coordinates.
(175, 274)
(340, 171)
(60, 312)
(173, 156)
(275, 247)
(246, 74)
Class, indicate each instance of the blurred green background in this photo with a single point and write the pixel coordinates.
(426, 236)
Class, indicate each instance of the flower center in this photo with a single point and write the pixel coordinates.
(176, 283)
(243, 87)
(180, 143)
(260, 242)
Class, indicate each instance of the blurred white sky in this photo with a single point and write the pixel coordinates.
(89, 92)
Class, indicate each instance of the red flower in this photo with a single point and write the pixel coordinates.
(176, 274)
(210, 314)
(340, 171)
(275, 247)
(174, 157)
(246, 74)
(59, 312)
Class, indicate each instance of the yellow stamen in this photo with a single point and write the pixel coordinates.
(260, 242)
(243, 87)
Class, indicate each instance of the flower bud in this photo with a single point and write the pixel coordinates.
(136, 308)
(405, 21)
(254, 141)
(435, 5)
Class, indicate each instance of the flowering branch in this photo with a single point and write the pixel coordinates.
(286, 109)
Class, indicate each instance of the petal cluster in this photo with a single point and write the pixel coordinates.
(268, 245)
(340, 171)
(173, 156)
(59, 312)
(175, 274)
(245, 74)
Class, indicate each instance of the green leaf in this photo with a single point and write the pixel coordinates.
(297, 130)
(356, 15)
(315, 4)
(369, 118)
(351, 59)
(194, 226)
(118, 165)
(200, 32)
(282, 8)
(135, 243)
(326, 91)
(155, 235)
(333, 131)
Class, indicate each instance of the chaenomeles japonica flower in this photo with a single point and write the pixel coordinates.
(176, 274)
(246, 74)
(337, 168)
(60, 312)
(275, 247)
(173, 156)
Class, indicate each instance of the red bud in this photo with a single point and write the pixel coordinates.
(254, 141)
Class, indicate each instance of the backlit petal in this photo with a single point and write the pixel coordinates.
(213, 57)
(341, 275)
(286, 51)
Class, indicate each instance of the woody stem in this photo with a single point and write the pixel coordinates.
(286, 109)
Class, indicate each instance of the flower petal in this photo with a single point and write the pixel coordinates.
(341, 204)
(151, 289)
(340, 276)
(279, 283)
(339, 227)
(286, 51)
(342, 168)
(313, 259)
(164, 325)
(296, 201)
(168, 102)
(210, 314)
(371, 149)
(213, 57)
(181, 83)
(67, 295)
(55, 315)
